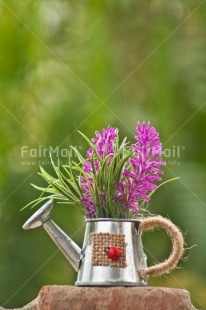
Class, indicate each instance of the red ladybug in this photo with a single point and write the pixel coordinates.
(113, 253)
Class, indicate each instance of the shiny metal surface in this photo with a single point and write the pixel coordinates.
(40, 216)
(112, 276)
(66, 245)
(81, 260)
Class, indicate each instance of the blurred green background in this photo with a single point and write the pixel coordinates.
(70, 65)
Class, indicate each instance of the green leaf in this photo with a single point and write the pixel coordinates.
(163, 183)
(90, 144)
(79, 156)
(36, 201)
(54, 183)
(47, 189)
(120, 166)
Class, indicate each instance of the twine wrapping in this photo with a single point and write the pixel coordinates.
(177, 245)
(100, 241)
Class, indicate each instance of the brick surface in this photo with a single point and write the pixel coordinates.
(110, 298)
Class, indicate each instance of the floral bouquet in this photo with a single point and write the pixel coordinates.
(115, 180)
(113, 183)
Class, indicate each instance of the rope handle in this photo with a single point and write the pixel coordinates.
(177, 245)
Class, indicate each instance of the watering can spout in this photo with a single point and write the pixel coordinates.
(66, 245)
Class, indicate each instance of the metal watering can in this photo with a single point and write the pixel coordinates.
(112, 253)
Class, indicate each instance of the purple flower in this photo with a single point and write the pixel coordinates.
(84, 184)
(143, 170)
(138, 174)
(104, 145)
(87, 167)
(89, 205)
